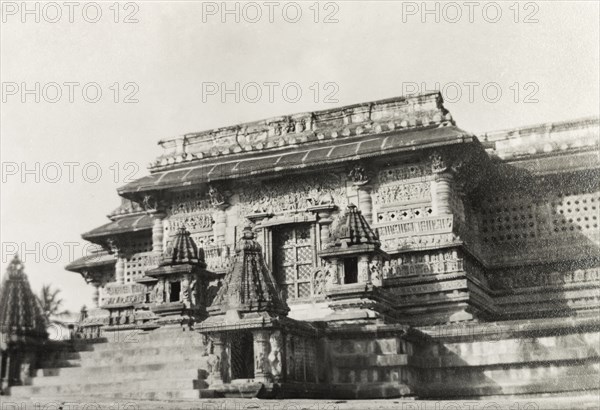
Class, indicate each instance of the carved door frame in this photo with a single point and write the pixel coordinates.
(314, 244)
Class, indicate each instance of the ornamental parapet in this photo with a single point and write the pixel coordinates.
(305, 128)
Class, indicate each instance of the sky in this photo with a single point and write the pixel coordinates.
(88, 90)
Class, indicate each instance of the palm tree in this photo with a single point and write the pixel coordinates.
(51, 303)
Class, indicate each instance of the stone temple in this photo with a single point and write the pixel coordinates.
(370, 251)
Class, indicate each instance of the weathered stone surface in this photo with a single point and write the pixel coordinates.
(468, 267)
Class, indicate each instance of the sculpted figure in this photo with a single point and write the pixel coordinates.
(216, 198)
(358, 174)
(260, 362)
(192, 292)
(332, 277)
(375, 272)
(326, 199)
(214, 364)
(275, 354)
(160, 292)
(320, 281)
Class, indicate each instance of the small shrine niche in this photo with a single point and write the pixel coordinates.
(177, 288)
(354, 253)
(354, 261)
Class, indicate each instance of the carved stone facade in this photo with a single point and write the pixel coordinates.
(384, 228)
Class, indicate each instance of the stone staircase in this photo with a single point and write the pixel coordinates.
(165, 364)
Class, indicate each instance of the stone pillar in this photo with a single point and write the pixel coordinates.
(220, 226)
(360, 179)
(333, 277)
(96, 297)
(262, 372)
(443, 191)
(325, 222)
(184, 295)
(442, 184)
(158, 234)
(365, 202)
(363, 269)
(120, 269)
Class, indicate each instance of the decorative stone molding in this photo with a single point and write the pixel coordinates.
(218, 198)
(366, 119)
(358, 175)
(439, 163)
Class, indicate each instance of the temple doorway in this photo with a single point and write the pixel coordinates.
(242, 356)
(350, 270)
(175, 291)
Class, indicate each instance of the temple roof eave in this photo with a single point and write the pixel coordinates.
(95, 261)
(128, 224)
(298, 157)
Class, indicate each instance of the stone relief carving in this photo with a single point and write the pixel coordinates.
(292, 195)
(324, 277)
(149, 203)
(375, 269)
(358, 175)
(274, 357)
(396, 174)
(438, 163)
(434, 262)
(527, 278)
(190, 211)
(159, 296)
(319, 281)
(213, 361)
(217, 198)
(417, 242)
(418, 191)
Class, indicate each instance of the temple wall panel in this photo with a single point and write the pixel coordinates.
(548, 224)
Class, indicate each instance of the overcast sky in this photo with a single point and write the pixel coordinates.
(161, 68)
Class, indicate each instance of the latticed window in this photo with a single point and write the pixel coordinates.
(294, 259)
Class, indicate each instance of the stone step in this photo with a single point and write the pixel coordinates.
(369, 360)
(134, 336)
(138, 351)
(127, 388)
(91, 399)
(145, 342)
(137, 354)
(96, 371)
(145, 372)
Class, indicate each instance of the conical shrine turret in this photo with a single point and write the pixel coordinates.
(21, 317)
(250, 285)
